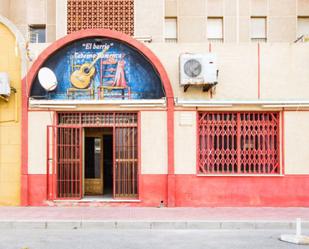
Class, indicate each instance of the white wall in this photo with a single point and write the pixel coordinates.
(37, 130)
(149, 19)
(284, 70)
(153, 142)
(185, 142)
(61, 18)
(296, 133)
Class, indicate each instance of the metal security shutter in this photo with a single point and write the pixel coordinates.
(238, 143)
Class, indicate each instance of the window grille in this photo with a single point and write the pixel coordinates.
(109, 14)
(100, 119)
(238, 143)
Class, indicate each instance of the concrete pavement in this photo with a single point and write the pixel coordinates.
(143, 239)
(151, 218)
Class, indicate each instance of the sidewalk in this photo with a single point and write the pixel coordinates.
(149, 218)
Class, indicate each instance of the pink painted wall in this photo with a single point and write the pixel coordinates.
(196, 191)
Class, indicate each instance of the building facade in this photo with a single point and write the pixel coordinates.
(12, 64)
(106, 120)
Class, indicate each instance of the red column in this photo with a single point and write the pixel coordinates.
(170, 155)
(24, 146)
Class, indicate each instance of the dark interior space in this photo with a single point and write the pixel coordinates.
(89, 157)
(108, 163)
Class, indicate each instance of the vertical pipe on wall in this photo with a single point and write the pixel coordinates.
(259, 71)
(237, 21)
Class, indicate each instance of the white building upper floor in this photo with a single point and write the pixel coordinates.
(275, 68)
(194, 21)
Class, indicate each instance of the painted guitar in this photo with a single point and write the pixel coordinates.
(81, 78)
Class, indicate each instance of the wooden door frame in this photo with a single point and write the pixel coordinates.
(95, 133)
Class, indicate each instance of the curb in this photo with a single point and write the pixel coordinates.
(150, 224)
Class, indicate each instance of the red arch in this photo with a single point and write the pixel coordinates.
(100, 33)
(29, 79)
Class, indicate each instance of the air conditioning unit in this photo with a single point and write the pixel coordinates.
(198, 69)
(5, 89)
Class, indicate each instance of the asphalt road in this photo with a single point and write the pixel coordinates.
(143, 239)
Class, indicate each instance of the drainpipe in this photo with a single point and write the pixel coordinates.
(237, 21)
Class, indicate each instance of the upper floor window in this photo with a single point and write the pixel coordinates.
(215, 29)
(112, 14)
(303, 28)
(171, 29)
(37, 33)
(238, 143)
(258, 29)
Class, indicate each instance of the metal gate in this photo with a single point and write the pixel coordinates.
(65, 151)
(125, 162)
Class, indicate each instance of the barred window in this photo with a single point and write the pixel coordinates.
(109, 14)
(238, 143)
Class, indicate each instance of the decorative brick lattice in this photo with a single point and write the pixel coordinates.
(100, 119)
(238, 143)
(109, 14)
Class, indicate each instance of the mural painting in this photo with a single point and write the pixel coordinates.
(98, 68)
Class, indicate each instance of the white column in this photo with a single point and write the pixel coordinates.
(61, 18)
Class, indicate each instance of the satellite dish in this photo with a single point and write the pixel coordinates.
(47, 79)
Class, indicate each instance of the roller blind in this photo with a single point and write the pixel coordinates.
(170, 28)
(258, 27)
(302, 26)
(215, 28)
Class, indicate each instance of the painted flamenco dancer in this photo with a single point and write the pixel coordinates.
(120, 80)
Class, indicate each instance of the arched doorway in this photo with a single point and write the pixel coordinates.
(125, 73)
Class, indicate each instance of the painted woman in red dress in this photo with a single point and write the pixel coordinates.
(120, 80)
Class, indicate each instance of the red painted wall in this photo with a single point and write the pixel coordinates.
(153, 191)
(196, 191)
(212, 191)
(37, 190)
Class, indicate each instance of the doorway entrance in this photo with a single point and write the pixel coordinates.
(98, 162)
(93, 154)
